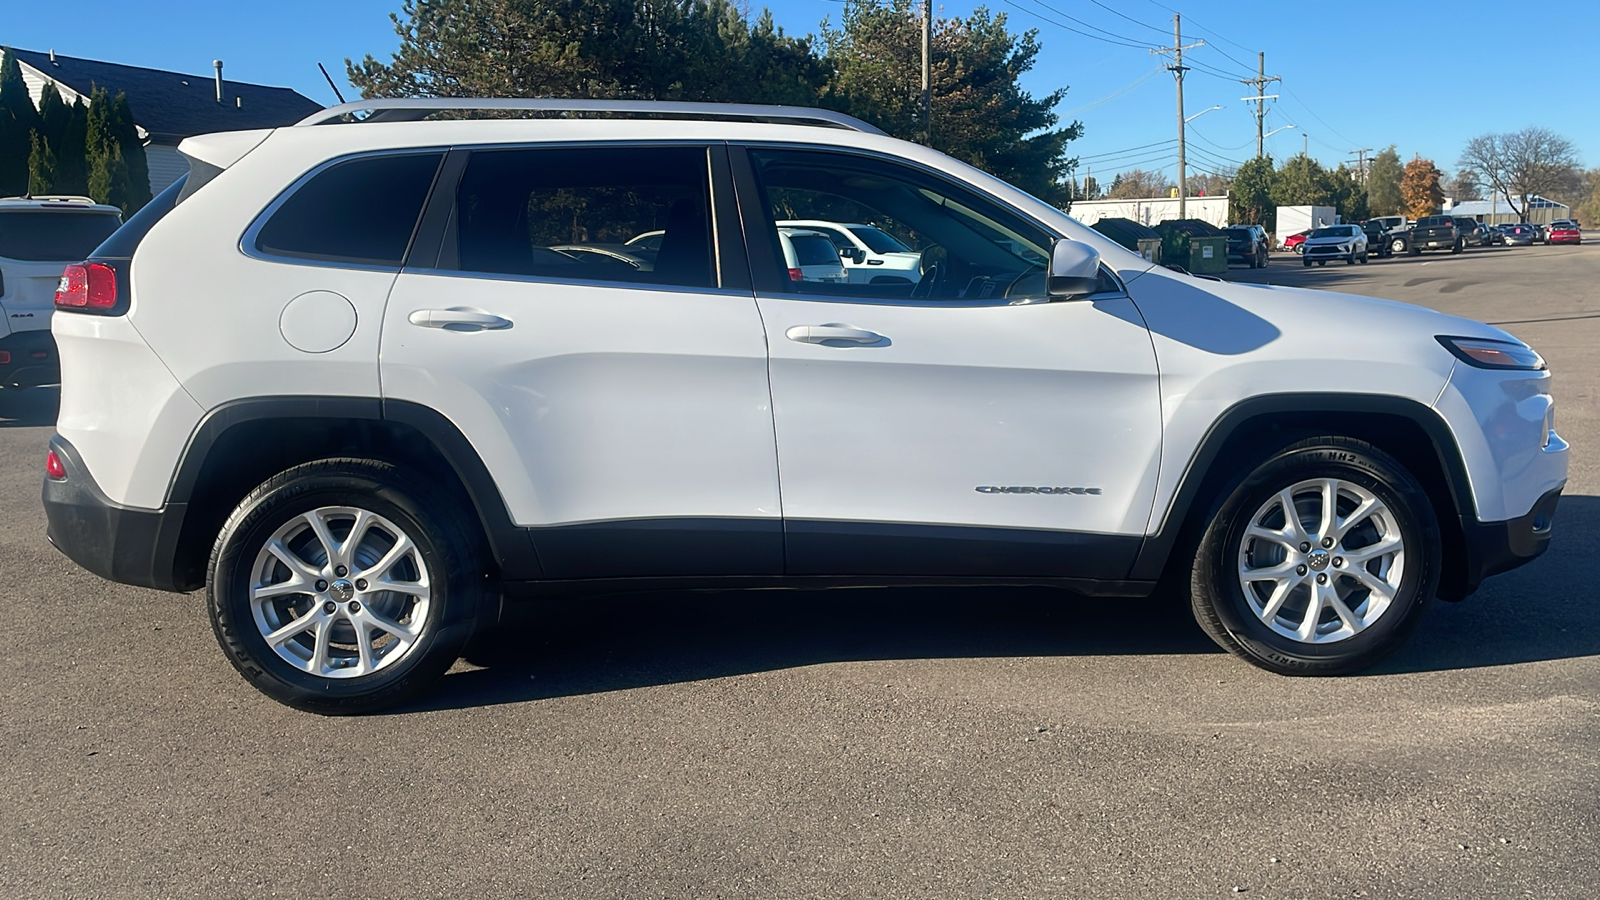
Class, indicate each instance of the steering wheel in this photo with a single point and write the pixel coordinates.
(929, 281)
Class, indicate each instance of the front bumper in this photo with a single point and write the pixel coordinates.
(118, 543)
(29, 359)
(1495, 547)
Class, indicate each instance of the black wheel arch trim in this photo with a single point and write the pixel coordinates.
(509, 545)
(1158, 547)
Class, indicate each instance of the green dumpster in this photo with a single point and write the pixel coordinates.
(1208, 255)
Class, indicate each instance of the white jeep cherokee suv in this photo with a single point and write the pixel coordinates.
(338, 378)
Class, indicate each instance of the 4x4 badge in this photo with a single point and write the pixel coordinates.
(991, 489)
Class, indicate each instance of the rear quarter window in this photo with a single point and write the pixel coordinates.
(52, 235)
(359, 211)
(814, 250)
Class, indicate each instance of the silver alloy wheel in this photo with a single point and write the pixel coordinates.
(1321, 561)
(340, 592)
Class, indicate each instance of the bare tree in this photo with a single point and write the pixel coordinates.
(1139, 184)
(1521, 164)
(1464, 185)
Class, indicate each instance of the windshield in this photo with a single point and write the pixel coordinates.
(1241, 234)
(1334, 232)
(878, 240)
(47, 235)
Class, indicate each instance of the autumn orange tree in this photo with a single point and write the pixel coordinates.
(1419, 188)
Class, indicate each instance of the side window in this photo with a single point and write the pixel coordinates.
(941, 241)
(634, 214)
(358, 211)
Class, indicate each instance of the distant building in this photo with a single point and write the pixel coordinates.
(1151, 210)
(1498, 210)
(167, 106)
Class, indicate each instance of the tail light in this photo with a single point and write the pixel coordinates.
(796, 275)
(90, 287)
(53, 467)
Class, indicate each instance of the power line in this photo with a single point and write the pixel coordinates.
(1160, 31)
(1086, 34)
(1063, 15)
(1130, 149)
(1319, 119)
(1116, 93)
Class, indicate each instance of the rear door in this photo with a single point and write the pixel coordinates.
(35, 244)
(965, 425)
(623, 413)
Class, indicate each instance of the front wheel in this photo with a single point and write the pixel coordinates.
(1320, 562)
(1397, 246)
(344, 586)
(1306, 263)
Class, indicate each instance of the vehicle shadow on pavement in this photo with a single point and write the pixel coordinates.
(628, 641)
(29, 407)
(1545, 610)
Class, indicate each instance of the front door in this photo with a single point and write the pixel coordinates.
(617, 394)
(960, 425)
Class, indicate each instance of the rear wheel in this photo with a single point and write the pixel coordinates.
(1397, 246)
(1320, 562)
(344, 586)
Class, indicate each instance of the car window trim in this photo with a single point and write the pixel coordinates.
(764, 267)
(247, 241)
(434, 243)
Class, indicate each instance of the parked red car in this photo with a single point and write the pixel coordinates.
(1564, 233)
(1295, 241)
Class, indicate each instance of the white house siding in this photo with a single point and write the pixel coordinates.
(166, 165)
(36, 80)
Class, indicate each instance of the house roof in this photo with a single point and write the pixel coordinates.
(171, 105)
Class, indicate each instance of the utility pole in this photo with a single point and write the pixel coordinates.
(1305, 144)
(1260, 83)
(1361, 161)
(1177, 68)
(927, 71)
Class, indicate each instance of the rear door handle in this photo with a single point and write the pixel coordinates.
(817, 334)
(457, 319)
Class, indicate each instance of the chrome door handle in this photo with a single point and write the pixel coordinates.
(817, 334)
(457, 319)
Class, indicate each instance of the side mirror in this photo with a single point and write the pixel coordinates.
(855, 255)
(1074, 269)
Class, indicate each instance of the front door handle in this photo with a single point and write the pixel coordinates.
(458, 319)
(819, 334)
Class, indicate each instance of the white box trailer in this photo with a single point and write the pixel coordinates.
(1295, 219)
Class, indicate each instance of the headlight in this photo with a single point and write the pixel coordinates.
(1485, 353)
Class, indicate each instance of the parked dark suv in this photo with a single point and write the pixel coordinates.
(1248, 244)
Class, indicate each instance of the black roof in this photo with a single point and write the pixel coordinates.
(171, 105)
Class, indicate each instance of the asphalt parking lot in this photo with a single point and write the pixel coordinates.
(979, 743)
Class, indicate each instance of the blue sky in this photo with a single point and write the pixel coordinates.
(1445, 72)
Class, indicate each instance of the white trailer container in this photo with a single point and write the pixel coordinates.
(1295, 219)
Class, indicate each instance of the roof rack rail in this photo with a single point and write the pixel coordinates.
(413, 109)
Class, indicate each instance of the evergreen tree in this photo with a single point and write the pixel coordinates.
(1383, 184)
(18, 121)
(1302, 182)
(1348, 194)
(1250, 202)
(981, 115)
(54, 116)
(108, 179)
(72, 169)
(126, 135)
(41, 166)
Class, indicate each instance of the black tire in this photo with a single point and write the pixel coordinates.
(1415, 251)
(1398, 245)
(1322, 262)
(1457, 248)
(446, 544)
(1218, 599)
(1306, 263)
(1351, 259)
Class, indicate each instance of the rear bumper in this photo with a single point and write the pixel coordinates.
(1496, 547)
(119, 543)
(29, 359)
